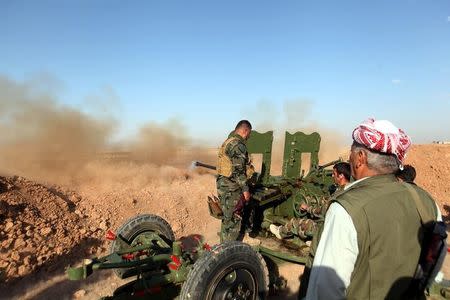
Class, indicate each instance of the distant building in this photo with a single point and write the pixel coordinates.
(441, 142)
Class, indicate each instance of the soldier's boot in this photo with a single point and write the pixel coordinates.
(276, 230)
(284, 231)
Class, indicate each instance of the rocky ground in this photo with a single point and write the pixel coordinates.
(44, 227)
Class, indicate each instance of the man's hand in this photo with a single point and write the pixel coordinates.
(247, 196)
(304, 206)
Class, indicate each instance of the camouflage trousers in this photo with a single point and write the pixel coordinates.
(316, 210)
(303, 228)
(229, 196)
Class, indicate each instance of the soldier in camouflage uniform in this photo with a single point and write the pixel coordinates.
(306, 227)
(233, 162)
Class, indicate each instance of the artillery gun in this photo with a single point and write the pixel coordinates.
(164, 268)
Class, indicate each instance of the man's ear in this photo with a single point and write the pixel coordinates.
(361, 158)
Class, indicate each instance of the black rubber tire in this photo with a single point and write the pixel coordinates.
(223, 258)
(138, 225)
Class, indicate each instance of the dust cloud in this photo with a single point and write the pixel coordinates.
(296, 115)
(41, 137)
(159, 144)
(47, 141)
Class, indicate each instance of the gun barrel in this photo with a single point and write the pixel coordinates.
(200, 164)
(331, 163)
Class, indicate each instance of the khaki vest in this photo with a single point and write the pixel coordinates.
(389, 236)
(224, 165)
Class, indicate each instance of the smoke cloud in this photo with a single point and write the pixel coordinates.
(292, 116)
(39, 135)
(48, 141)
(159, 144)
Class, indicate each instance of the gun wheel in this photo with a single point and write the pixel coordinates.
(232, 270)
(141, 230)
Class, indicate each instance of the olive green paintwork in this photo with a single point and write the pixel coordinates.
(281, 194)
(261, 143)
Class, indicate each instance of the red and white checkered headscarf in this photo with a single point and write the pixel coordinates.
(382, 136)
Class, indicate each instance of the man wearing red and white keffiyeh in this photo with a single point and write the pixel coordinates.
(383, 137)
(371, 239)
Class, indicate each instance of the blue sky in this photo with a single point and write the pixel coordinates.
(211, 63)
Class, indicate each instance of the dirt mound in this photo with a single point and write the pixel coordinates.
(432, 163)
(42, 226)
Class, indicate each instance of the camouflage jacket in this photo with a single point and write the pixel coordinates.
(236, 150)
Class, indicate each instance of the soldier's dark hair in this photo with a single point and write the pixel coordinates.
(344, 169)
(408, 174)
(243, 123)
